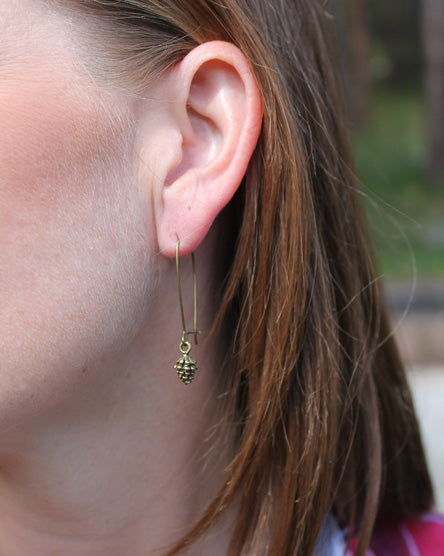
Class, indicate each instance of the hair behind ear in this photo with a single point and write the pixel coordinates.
(315, 392)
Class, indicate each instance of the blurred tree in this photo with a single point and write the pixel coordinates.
(395, 33)
(433, 37)
(351, 23)
(380, 41)
(359, 45)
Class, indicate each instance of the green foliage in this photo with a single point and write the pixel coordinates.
(406, 215)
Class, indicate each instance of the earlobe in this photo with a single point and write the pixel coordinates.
(219, 114)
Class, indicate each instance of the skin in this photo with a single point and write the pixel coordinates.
(100, 444)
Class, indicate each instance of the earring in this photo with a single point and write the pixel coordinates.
(186, 366)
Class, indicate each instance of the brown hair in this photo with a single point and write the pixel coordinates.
(316, 392)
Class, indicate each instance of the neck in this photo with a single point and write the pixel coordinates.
(116, 468)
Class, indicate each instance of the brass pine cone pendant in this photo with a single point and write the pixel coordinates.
(185, 368)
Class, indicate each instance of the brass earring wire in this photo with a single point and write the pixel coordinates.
(186, 366)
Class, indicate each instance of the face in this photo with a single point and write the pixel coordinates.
(75, 229)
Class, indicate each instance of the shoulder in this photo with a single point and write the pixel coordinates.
(423, 536)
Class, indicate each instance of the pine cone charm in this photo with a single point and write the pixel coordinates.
(185, 368)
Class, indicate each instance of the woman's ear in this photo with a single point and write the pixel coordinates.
(213, 124)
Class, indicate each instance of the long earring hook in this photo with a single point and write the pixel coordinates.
(195, 331)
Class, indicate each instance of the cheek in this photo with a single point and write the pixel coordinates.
(52, 154)
(45, 134)
(73, 239)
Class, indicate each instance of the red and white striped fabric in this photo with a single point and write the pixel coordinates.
(420, 537)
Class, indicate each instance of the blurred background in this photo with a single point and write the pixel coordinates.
(393, 61)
